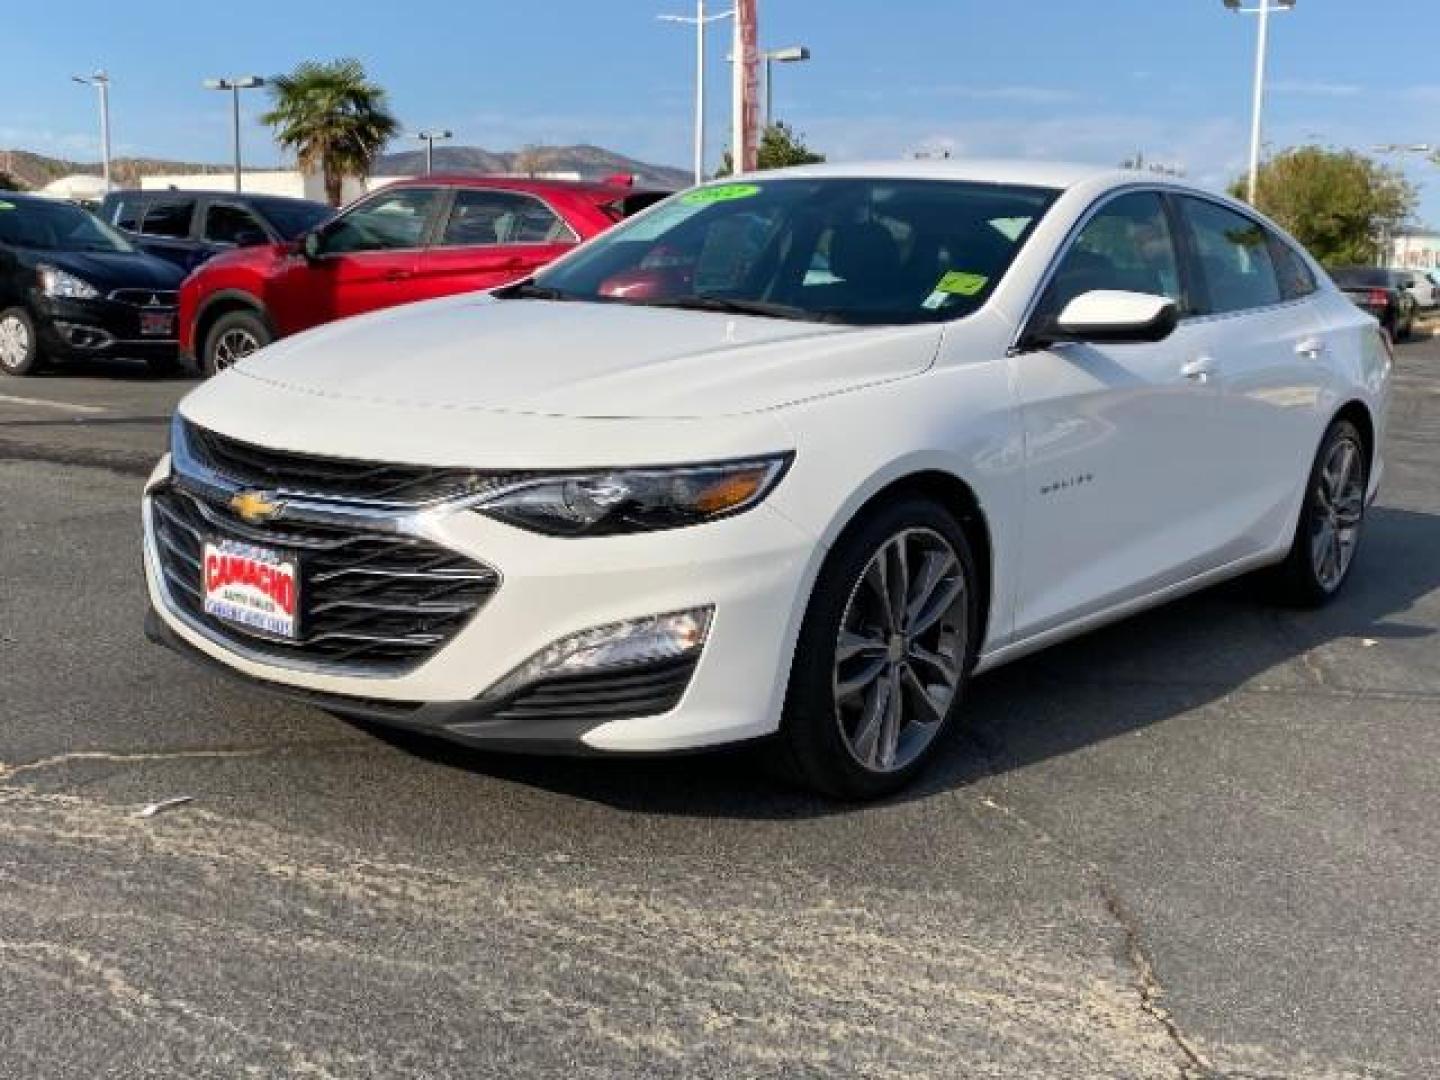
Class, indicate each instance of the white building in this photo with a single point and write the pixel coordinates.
(1417, 250)
(287, 182)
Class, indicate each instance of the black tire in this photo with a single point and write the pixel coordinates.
(27, 361)
(814, 747)
(229, 331)
(1300, 580)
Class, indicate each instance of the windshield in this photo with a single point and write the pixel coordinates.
(824, 249)
(56, 226)
(293, 218)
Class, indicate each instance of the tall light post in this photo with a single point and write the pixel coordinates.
(700, 21)
(101, 82)
(235, 85)
(1266, 8)
(794, 54)
(430, 138)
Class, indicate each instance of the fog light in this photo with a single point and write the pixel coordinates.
(632, 643)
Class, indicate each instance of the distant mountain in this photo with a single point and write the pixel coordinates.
(591, 162)
(36, 170)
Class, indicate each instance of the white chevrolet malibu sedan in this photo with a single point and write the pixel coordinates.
(790, 457)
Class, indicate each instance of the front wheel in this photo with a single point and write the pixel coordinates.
(19, 344)
(883, 655)
(1331, 519)
(234, 336)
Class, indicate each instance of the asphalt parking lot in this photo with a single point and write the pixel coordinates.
(1205, 842)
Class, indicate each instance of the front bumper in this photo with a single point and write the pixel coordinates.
(75, 329)
(753, 569)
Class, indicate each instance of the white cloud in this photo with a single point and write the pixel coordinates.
(1314, 88)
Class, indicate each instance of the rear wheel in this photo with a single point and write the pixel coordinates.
(884, 653)
(234, 336)
(1331, 520)
(19, 344)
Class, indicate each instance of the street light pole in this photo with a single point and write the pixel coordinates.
(243, 82)
(429, 138)
(1262, 48)
(101, 82)
(700, 21)
(794, 54)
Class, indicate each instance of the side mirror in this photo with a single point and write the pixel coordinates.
(249, 238)
(310, 246)
(1112, 317)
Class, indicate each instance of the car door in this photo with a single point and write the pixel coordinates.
(1118, 488)
(1269, 345)
(366, 259)
(491, 237)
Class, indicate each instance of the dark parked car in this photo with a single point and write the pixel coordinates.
(72, 287)
(1383, 293)
(189, 227)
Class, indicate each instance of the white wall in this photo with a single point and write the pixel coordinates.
(276, 182)
(1418, 252)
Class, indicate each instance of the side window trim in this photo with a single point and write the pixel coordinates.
(1194, 295)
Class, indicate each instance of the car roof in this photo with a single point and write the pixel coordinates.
(528, 184)
(211, 193)
(1023, 172)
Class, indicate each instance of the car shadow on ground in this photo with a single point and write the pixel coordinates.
(118, 370)
(1131, 675)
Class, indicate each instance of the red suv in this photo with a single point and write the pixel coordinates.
(414, 240)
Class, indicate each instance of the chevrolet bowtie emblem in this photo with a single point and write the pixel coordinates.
(255, 507)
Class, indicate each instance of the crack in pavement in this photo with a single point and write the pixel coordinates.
(1147, 985)
(9, 772)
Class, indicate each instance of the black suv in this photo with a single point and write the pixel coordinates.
(188, 227)
(72, 287)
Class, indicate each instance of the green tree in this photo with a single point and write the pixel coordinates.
(9, 183)
(780, 147)
(333, 118)
(1338, 203)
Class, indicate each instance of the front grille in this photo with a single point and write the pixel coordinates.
(376, 601)
(610, 695)
(335, 478)
(159, 298)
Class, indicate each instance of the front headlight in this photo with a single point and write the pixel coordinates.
(59, 283)
(604, 503)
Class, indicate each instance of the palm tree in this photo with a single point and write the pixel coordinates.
(334, 119)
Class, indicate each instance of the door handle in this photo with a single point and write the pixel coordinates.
(1310, 348)
(1199, 370)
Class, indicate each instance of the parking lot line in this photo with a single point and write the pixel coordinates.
(64, 406)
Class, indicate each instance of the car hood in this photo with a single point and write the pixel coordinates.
(594, 360)
(115, 270)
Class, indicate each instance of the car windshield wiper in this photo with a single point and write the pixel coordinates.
(528, 290)
(731, 306)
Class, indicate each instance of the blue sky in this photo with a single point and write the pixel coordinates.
(1092, 80)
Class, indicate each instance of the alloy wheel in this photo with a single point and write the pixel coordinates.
(1339, 508)
(900, 651)
(233, 346)
(14, 342)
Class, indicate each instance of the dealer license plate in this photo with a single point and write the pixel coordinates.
(253, 587)
(157, 323)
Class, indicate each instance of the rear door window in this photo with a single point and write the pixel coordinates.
(480, 218)
(228, 224)
(1296, 280)
(169, 218)
(1234, 257)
